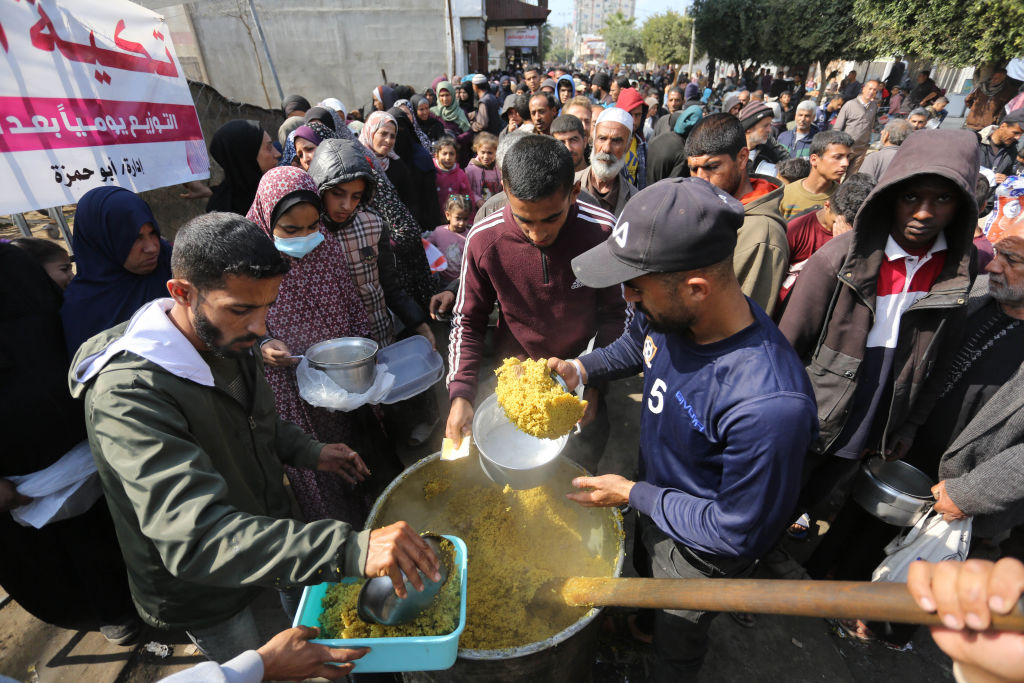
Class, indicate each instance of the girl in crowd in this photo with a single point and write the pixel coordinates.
(450, 178)
(121, 259)
(317, 301)
(482, 171)
(51, 256)
(451, 237)
(245, 151)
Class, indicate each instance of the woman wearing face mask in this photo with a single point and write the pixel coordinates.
(317, 301)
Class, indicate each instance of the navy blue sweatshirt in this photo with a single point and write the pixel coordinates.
(724, 432)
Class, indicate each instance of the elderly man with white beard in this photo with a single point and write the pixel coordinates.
(603, 180)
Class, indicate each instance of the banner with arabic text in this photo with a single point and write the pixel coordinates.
(91, 94)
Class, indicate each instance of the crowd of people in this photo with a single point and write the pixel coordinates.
(799, 296)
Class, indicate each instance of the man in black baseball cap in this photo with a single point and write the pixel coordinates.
(728, 411)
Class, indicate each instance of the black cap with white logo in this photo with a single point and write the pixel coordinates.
(676, 224)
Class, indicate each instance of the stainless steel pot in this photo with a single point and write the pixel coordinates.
(510, 456)
(350, 361)
(894, 492)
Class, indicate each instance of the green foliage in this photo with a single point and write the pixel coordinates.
(561, 55)
(623, 39)
(666, 38)
(955, 32)
(730, 30)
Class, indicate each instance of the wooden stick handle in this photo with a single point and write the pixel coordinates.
(828, 599)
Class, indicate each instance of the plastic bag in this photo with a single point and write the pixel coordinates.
(65, 489)
(932, 539)
(1007, 217)
(317, 389)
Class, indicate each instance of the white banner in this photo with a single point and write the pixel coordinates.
(91, 94)
(522, 37)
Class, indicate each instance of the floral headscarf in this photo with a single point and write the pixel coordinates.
(370, 128)
(453, 112)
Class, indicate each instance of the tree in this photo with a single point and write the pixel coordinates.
(666, 38)
(623, 40)
(730, 30)
(814, 32)
(955, 32)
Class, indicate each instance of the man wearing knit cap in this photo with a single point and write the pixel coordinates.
(727, 406)
(604, 179)
(599, 89)
(631, 101)
(765, 152)
(487, 116)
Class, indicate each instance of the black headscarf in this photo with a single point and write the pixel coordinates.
(103, 293)
(294, 103)
(322, 115)
(235, 147)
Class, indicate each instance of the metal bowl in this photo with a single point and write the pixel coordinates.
(350, 361)
(510, 456)
(894, 492)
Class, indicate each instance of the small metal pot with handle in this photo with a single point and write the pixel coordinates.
(895, 492)
(350, 361)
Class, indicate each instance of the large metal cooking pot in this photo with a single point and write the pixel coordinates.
(350, 361)
(895, 492)
(566, 655)
(509, 455)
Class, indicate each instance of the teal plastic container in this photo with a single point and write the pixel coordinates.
(422, 653)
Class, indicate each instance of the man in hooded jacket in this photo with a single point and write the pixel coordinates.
(716, 151)
(877, 312)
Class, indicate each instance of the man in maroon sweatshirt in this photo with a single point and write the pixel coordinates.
(521, 257)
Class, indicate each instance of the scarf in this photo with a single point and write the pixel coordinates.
(103, 293)
(453, 112)
(370, 128)
(385, 94)
(235, 147)
(317, 301)
(989, 90)
(316, 128)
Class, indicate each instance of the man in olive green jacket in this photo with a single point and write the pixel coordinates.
(189, 449)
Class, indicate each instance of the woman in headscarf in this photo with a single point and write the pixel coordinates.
(427, 122)
(70, 572)
(420, 166)
(245, 152)
(317, 301)
(449, 111)
(327, 117)
(403, 109)
(464, 94)
(383, 98)
(379, 136)
(308, 137)
(121, 261)
(413, 270)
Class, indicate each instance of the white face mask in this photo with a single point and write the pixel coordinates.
(297, 247)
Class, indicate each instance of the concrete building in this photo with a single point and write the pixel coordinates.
(589, 16)
(323, 48)
(513, 32)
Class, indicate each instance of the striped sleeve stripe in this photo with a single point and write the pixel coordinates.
(455, 336)
(595, 214)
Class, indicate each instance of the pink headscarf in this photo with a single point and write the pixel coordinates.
(370, 128)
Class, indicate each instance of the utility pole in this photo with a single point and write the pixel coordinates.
(266, 49)
(693, 39)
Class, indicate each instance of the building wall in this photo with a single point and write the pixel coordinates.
(589, 15)
(321, 48)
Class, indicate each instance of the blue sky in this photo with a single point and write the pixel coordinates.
(561, 10)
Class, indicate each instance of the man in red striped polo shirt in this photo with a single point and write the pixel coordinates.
(878, 311)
